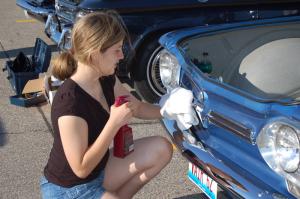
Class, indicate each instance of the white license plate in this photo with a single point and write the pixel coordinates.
(203, 181)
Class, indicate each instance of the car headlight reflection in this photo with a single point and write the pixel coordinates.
(169, 69)
(287, 148)
(56, 5)
(82, 13)
(278, 143)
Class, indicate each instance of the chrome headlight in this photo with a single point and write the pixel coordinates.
(169, 69)
(279, 145)
(287, 148)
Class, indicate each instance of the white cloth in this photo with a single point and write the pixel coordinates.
(178, 105)
(49, 82)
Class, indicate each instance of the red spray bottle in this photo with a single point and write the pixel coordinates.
(123, 141)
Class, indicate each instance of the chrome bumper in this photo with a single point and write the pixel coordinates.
(228, 179)
(57, 32)
(40, 11)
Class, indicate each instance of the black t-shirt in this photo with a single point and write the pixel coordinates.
(71, 99)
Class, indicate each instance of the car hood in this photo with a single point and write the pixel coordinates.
(171, 39)
(139, 5)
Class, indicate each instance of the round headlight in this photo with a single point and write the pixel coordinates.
(169, 69)
(278, 143)
(287, 148)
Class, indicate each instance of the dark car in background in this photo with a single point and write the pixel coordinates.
(245, 79)
(146, 21)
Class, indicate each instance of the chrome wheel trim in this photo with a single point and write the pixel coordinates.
(153, 74)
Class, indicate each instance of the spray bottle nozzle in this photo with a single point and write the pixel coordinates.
(121, 100)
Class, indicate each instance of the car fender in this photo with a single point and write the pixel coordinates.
(158, 30)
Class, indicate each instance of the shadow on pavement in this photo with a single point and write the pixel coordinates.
(48, 124)
(2, 134)
(9, 54)
(193, 196)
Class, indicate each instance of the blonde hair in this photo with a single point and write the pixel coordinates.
(95, 31)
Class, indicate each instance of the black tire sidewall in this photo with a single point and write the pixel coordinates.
(141, 72)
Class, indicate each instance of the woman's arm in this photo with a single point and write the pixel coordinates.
(74, 137)
(142, 110)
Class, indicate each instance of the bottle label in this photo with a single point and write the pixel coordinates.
(128, 142)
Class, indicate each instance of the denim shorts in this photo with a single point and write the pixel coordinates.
(92, 190)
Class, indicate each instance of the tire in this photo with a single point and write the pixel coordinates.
(146, 75)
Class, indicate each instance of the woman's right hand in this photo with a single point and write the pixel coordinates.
(120, 115)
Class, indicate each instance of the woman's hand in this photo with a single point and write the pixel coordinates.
(120, 115)
(133, 104)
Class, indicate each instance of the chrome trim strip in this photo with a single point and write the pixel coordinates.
(232, 126)
(35, 10)
(62, 43)
(66, 10)
(51, 29)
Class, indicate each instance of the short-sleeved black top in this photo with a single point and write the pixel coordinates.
(71, 99)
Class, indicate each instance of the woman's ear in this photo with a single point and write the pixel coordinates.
(94, 60)
(90, 58)
(94, 57)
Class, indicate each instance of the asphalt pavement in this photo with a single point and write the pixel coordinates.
(25, 133)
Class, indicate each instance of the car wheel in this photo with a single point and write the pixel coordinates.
(147, 80)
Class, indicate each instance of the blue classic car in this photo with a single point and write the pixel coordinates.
(146, 21)
(245, 79)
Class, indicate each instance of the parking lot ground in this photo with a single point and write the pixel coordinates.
(25, 133)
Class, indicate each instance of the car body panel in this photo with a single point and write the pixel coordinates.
(232, 121)
(148, 5)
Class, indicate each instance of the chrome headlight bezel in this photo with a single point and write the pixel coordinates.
(287, 148)
(169, 69)
(268, 140)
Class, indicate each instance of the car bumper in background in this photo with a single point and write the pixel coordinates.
(58, 32)
(35, 11)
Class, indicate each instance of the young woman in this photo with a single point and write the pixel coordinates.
(85, 120)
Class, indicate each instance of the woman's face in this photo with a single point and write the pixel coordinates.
(105, 63)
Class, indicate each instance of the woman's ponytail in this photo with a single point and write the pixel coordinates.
(64, 66)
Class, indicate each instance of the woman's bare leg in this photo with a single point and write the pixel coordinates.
(125, 177)
(109, 195)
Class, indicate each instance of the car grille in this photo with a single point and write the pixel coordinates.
(66, 10)
(74, 1)
(41, 2)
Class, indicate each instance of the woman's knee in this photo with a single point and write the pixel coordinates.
(163, 149)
